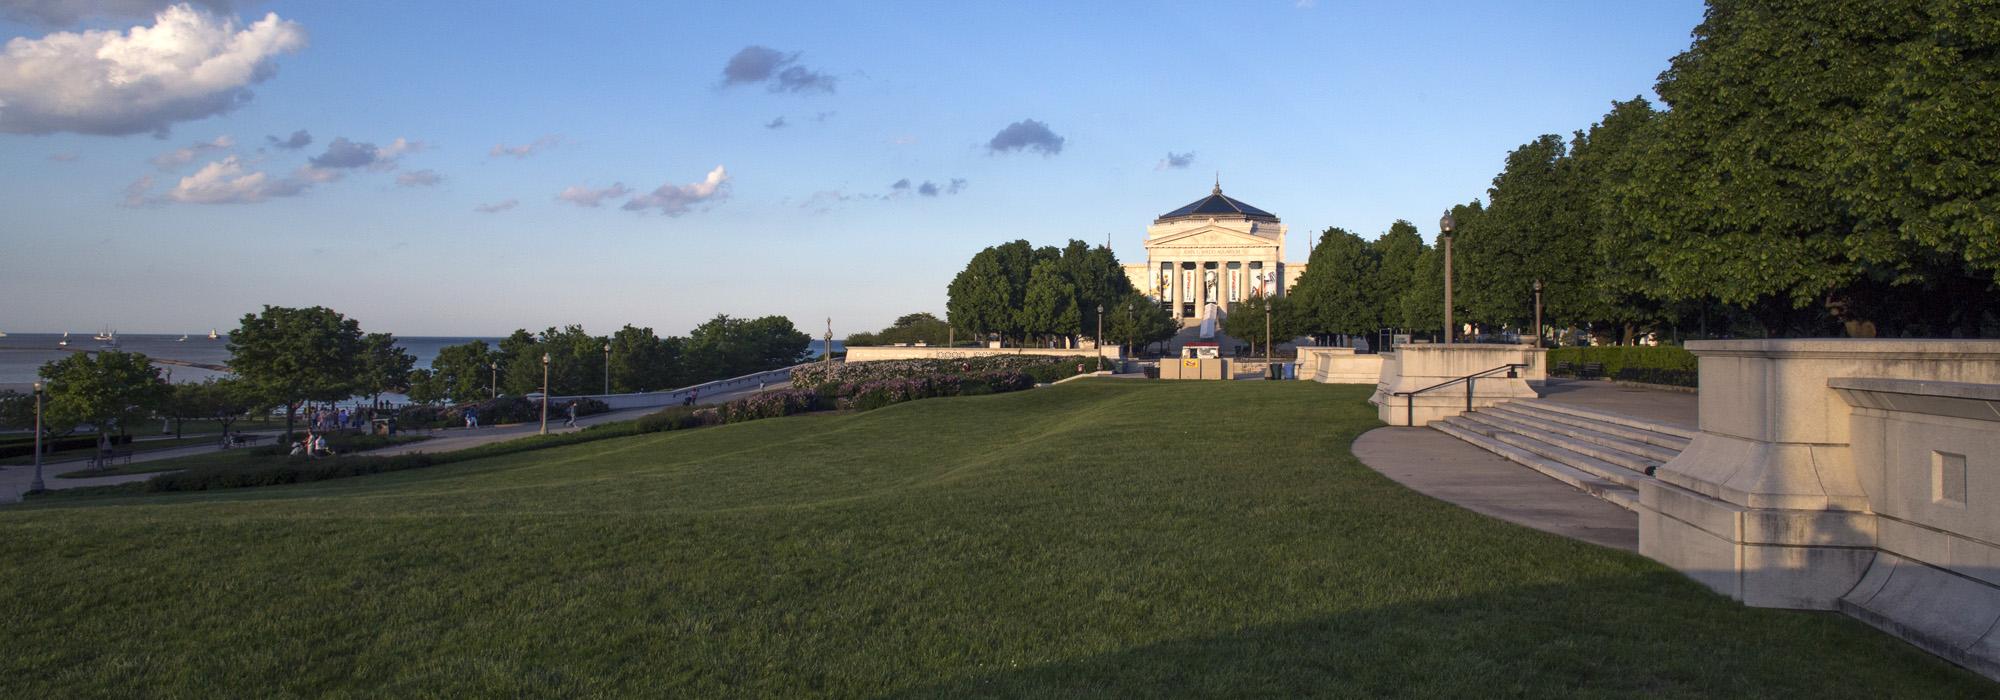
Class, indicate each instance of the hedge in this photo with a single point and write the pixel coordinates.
(1668, 359)
(26, 447)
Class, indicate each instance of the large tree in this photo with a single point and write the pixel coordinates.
(643, 361)
(1138, 321)
(725, 347)
(290, 356)
(1339, 291)
(460, 373)
(222, 400)
(385, 366)
(1396, 255)
(103, 388)
(1049, 307)
(920, 327)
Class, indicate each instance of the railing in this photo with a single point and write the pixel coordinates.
(1410, 397)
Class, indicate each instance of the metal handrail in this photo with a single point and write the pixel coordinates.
(1410, 397)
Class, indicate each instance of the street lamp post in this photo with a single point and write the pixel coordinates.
(1100, 336)
(1445, 226)
(1267, 329)
(36, 485)
(493, 389)
(607, 369)
(545, 394)
(1538, 313)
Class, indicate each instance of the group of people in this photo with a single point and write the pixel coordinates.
(471, 415)
(313, 447)
(331, 419)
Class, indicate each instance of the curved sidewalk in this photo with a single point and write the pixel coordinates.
(1448, 469)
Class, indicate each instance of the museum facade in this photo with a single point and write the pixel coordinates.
(1210, 254)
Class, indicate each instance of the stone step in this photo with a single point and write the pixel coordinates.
(1620, 495)
(1575, 460)
(1652, 455)
(1575, 440)
(1620, 426)
(1616, 418)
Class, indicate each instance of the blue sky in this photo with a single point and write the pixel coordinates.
(1329, 114)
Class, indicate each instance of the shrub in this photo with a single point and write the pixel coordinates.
(669, 418)
(26, 447)
(857, 372)
(1669, 377)
(1618, 358)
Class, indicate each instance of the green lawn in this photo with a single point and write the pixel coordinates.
(238, 458)
(1100, 538)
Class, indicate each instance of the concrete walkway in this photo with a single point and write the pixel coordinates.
(1451, 470)
(1674, 408)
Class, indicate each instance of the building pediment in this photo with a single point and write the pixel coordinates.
(1209, 236)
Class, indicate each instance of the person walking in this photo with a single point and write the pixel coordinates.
(571, 423)
(471, 418)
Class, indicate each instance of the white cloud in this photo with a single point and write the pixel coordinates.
(183, 156)
(188, 65)
(344, 154)
(587, 197)
(1175, 161)
(226, 181)
(419, 178)
(526, 149)
(497, 207)
(675, 200)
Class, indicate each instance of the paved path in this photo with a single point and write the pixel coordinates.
(1675, 408)
(1451, 470)
(15, 481)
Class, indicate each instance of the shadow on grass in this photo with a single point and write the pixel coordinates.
(1651, 635)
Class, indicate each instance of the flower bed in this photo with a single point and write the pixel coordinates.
(1042, 367)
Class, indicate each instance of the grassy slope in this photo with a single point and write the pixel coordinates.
(1083, 539)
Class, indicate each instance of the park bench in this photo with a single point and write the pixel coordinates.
(1590, 370)
(104, 458)
(1564, 369)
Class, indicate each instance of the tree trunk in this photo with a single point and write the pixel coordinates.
(291, 411)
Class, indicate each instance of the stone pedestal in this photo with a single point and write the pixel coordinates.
(1414, 367)
(1767, 505)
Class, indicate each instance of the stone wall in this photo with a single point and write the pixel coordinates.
(1852, 475)
(1338, 366)
(1415, 367)
(895, 352)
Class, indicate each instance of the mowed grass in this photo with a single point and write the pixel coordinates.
(1100, 538)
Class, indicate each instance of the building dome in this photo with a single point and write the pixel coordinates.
(1217, 206)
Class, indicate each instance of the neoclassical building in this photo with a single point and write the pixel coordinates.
(1217, 250)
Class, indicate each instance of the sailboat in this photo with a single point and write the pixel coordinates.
(106, 334)
(65, 340)
(110, 339)
(184, 338)
(212, 335)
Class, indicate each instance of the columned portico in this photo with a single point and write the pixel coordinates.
(1216, 250)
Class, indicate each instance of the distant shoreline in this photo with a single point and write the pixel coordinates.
(159, 360)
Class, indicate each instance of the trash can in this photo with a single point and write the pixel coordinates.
(1274, 371)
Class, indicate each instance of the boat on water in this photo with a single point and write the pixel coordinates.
(106, 334)
(183, 339)
(65, 340)
(212, 335)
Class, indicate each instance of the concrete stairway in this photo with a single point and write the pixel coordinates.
(1605, 455)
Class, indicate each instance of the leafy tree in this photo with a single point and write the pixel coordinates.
(17, 411)
(1339, 291)
(909, 328)
(385, 367)
(1422, 303)
(223, 400)
(724, 347)
(643, 361)
(1050, 305)
(289, 356)
(1537, 226)
(978, 298)
(520, 363)
(103, 388)
(1138, 321)
(1247, 321)
(1396, 254)
(460, 373)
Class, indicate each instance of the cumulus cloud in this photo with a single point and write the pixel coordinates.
(182, 156)
(588, 197)
(928, 189)
(419, 178)
(227, 181)
(778, 123)
(902, 185)
(343, 154)
(497, 207)
(527, 149)
(299, 139)
(1026, 135)
(674, 200)
(188, 65)
(778, 71)
(1175, 161)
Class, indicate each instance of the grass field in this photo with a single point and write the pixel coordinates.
(1100, 538)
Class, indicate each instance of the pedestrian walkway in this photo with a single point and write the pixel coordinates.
(1451, 470)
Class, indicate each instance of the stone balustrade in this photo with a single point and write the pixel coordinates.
(873, 353)
(1338, 366)
(1415, 367)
